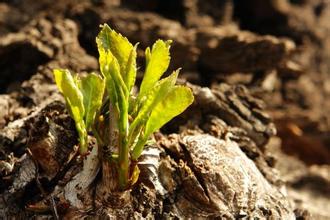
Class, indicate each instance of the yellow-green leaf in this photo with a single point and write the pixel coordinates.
(74, 101)
(157, 62)
(174, 104)
(111, 71)
(130, 75)
(158, 92)
(177, 100)
(116, 86)
(92, 88)
(155, 95)
(119, 46)
(73, 97)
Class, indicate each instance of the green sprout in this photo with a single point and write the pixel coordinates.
(107, 105)
(83, 97)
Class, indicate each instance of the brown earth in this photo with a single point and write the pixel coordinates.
(255, 143)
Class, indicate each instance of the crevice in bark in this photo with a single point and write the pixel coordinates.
(199, 178)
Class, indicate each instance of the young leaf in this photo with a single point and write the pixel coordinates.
(130, 75)
(73, 97)
(92, 88)
(104, 61)
(157, 93)
(119, 46)
(157, 62)
(172, 105)
(74, 100)
(111, 71)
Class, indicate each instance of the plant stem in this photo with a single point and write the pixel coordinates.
(123, 164)
(113, 128)
(110, 174)
(83, 138)
(123, 145)
(137, 150)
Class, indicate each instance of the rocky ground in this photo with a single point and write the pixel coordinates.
(255, 143)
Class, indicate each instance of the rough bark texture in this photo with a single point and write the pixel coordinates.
(259, 71)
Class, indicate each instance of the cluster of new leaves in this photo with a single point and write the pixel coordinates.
(84, 98)
(133, 117)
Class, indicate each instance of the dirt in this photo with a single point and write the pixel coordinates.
(254, 144)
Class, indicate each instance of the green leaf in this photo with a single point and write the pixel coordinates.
(157, 62)
(158, 92)
(119, 46)
(116, 87)
(130, 75)
(155, 95)
(73, 97)
(92, 88)
(172, 105)
(110, 69)
(109, 82)
(74, 100)
(121, 92)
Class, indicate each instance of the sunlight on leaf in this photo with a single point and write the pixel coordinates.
(74, 100)
(157, 93)
(92, 88)
(71, 92)
(119, 46)
(177, 100)
(157, 62)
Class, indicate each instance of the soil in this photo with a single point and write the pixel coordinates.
(254, 144)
